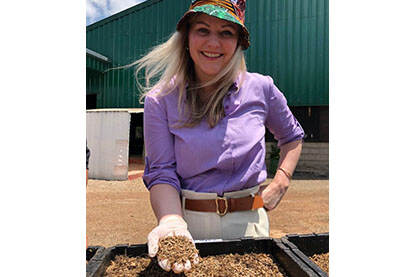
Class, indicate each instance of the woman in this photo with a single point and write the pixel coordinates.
(204, 128)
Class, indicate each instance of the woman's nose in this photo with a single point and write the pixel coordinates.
(213, 41)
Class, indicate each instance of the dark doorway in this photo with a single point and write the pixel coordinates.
(309, 118)
(136, 135)
(314, 120)
(91, 101)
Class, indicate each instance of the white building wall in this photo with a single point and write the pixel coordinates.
(108, 139)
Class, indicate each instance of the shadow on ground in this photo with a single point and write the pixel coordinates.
(309, 176)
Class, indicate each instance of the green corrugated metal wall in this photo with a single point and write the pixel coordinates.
(95, 74)
(289, 41)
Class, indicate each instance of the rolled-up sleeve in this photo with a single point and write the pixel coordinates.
(160, 161)
(280, 120)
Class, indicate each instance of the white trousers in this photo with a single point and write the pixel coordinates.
(210, 225)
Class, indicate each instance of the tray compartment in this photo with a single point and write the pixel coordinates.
(288, 261)
(306, 245)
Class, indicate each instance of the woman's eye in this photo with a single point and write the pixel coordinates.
(227, 34)
(203, 31)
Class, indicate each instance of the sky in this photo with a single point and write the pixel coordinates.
(100, 9)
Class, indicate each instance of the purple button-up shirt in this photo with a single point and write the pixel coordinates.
(228, 157)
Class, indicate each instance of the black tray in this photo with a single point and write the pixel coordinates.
(94, 255)
(92, 250)
(281, 254)
(305, 246)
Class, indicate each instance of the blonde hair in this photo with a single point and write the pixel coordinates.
(172, 64)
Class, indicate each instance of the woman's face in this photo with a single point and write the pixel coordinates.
(212, 43)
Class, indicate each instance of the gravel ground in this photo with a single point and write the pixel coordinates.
(120, 212)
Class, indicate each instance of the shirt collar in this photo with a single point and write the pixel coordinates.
(234, 87)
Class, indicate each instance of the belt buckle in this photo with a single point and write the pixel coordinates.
(217, 206)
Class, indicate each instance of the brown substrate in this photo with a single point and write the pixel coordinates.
(236, 265)
(220, 265)
(136, 266)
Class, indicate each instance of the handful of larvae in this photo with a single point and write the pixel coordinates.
(177, 249)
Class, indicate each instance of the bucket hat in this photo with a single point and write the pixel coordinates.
(230, 10)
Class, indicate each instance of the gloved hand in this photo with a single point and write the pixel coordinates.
(171, 225)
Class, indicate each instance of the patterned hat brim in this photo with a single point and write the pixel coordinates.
(218, 12)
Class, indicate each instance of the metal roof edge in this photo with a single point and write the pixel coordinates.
(122, 14)
(97, 55)
(129, 110)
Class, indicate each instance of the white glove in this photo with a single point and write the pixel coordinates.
(172, 225)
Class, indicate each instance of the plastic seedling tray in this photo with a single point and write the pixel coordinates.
(92, 250)
(94, 254)
(305, 246)
(281, 254)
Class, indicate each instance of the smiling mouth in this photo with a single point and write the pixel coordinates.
(211, 55)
